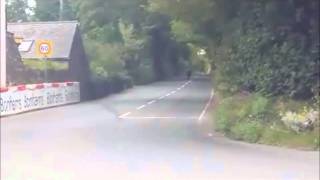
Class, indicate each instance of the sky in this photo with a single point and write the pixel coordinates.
(32, 3)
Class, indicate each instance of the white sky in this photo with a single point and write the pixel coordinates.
(32, 3)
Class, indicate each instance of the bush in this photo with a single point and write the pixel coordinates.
(258, 63)
(143, 74)
(255, 118)
(119, 83)
(248, 131)
(102, 87)
(259, 104)
(222, 120)
(284, 137)
(105, 59)
(226, 115)
(242, 107)
(242, 117)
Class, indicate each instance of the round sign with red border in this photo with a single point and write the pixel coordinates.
(44, 48)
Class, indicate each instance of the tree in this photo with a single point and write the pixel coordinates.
(17, 10)
(49, 10)
(269, 46)
(145, 36)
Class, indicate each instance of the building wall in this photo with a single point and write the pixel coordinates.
(16, 71)
(79, 66)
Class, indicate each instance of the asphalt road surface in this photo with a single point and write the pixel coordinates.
(158, 131)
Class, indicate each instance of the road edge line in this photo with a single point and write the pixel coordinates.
(205, 110)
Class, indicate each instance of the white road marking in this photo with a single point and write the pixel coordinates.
(141, 107)
(204, 112)
(151, 102)
(124, 115)
(160, 98)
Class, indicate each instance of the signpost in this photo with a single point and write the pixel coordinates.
(44, 49)
(3, 47)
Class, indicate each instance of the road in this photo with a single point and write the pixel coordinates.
(158, 131)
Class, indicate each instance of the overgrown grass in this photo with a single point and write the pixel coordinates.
(286, 138)
(247, 131)
(255, 119)
(36, 64)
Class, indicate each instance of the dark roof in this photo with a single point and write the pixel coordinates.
(60, 32)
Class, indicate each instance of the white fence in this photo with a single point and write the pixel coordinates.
(24, 98)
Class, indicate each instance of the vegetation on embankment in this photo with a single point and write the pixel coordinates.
(267, 73)
(257, 119)
(41, 65)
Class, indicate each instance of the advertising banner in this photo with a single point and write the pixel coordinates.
(38, 96)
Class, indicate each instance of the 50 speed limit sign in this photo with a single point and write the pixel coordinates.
(44, 48)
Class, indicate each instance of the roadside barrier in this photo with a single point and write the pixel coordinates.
(23, 98)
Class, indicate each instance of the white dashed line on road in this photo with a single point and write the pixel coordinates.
(151, 102)
(162, 97)
(154, 101)
(141, 107)
(124, 115)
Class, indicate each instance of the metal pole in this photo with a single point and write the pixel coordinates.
(61, 10)
(3, 44)
(46, 70)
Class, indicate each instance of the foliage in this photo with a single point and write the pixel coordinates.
(282, 137)
(279, 69)
(106, 59)
(184, 32)
(105, 34)
(17, 10)
(49, 10)
(143, 36)
(268, 47)
(262, 46)
(96, 13)
(36, 64)
(305, 120)
(248, 131)
(223, 118)
(255, 118)
(242, 117)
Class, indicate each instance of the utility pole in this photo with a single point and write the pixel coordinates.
(61, 10)
(3, 44)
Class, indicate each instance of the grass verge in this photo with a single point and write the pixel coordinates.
(36, 64)
(255, 119)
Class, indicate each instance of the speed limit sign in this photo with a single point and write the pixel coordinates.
(44, 48)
